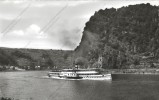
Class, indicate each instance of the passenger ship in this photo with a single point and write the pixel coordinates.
(83, 74)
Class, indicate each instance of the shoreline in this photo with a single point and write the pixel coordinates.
(106, 71)
(145, 73)
(22, 70)
(132, 71)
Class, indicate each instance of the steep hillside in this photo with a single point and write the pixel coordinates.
(121, 36)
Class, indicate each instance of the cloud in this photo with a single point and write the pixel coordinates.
(33, 32)
(30, 36)
(18, 32)
(69, 38)
(33, 29)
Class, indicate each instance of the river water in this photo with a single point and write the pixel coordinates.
(34, 85)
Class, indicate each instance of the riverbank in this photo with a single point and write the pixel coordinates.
(23, 70)
(112, 71)
(132, 71)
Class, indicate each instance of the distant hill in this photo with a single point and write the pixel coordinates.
(35, 57)
(121, 36)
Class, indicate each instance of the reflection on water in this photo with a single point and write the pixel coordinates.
(35, 86)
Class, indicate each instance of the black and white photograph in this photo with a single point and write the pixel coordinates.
(79, 50)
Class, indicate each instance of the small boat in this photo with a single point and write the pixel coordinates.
(83, 74)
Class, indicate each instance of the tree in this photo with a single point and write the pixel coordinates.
(80, 61)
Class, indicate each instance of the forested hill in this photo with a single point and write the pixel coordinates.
(121, 36)
(23, 58)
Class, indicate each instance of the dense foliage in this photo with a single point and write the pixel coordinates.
(6, 59)
(123, 35)
(35, 57)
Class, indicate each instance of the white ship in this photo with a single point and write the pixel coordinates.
(83, 74)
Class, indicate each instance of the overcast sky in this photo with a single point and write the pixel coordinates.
(50, 24)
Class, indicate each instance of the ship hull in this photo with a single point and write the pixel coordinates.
(82, 74)
(94, 77)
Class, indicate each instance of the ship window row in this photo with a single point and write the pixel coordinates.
(87, 74)
(71, 74)
(91, 77)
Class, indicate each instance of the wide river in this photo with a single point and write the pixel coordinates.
(34, 85)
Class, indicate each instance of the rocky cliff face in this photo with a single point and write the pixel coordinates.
(121, 36)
